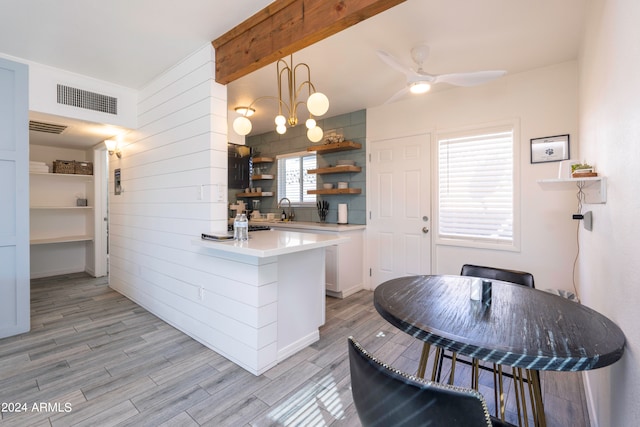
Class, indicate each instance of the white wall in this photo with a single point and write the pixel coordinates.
(544, 102)
(43, 81)
(608, 265)
(174, 175)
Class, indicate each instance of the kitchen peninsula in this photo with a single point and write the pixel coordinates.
(270, 301)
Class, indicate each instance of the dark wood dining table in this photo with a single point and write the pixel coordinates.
(522, 327)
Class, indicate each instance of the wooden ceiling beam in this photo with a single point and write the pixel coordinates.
(285, 27)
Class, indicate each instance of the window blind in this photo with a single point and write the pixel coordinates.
(475, 187)
(293, 179)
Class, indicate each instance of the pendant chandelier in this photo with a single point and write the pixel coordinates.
(317, 103)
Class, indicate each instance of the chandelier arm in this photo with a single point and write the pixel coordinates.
(279, 70)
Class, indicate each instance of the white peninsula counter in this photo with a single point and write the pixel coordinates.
(270, 300)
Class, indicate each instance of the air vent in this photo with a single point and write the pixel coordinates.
(46, 127)
(89, 100)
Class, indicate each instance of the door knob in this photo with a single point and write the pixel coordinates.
(425, 230)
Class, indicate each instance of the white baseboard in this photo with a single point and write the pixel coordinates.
(295, 347)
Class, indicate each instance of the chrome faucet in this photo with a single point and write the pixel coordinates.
(291, 215)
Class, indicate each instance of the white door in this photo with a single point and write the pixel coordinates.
(400, 208)
(14, 199)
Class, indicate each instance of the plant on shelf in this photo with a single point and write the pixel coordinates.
(581, 169)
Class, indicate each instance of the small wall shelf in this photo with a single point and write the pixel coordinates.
(336, 169)
(71, 176)
(593, 187)
(64, 239)
(336, 191)
(336, 146)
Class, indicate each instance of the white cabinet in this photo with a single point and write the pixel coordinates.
(343, 266)
(344, 262)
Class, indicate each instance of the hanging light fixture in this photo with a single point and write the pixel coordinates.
(317, 103)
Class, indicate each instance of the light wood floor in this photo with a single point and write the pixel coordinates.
(94, 358)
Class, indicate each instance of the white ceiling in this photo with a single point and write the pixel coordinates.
(129, 42)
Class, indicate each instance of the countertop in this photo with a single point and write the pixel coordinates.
(269, 243)
(303, 225)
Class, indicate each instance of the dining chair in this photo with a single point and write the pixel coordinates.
(384, 396)
(519, 278)
(505, 275)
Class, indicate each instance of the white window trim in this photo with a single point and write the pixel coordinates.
(286, 156)
(515, 244)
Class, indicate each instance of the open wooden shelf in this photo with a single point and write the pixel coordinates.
(263, 194)
(336, 191)
(336, 146)
(263, 160)
(262, 176)
(336, 169)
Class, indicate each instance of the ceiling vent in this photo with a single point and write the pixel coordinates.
(75, 97)
(46, 127)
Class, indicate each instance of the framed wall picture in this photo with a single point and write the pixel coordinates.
(550, 149)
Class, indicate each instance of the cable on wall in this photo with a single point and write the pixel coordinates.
(580, 196)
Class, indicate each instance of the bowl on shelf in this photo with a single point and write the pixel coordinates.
(345, 162)
(327, 186)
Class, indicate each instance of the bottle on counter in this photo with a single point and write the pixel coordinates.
(243, 228)
(283, 215)
(235, 227)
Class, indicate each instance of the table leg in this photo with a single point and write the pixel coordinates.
(534, 382)
(424, 357)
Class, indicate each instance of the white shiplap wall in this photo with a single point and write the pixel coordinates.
(174, 177)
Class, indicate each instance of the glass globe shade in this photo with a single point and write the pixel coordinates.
(280, 120)
(310, 123)
(318, 104)
(281, 129)
(315, 134)
(242, 125)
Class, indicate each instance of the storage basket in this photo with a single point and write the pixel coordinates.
(84, 168)
(64, 166)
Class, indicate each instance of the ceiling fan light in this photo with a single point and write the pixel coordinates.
(419, 87)
(242, 125)
(318, 104)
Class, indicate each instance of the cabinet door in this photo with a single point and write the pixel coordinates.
(331, 268)
(14, 199)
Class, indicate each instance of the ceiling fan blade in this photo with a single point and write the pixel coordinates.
(470, 79)
(399, 94)
(395, 64)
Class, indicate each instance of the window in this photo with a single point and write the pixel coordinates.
(476, 187)
(293, 179)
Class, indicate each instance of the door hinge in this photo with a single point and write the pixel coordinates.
(369, 157)
(370, 273)
(369, 214)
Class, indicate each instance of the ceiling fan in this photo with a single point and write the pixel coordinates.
(419, 81)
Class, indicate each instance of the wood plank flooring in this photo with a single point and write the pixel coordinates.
(94, 358)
